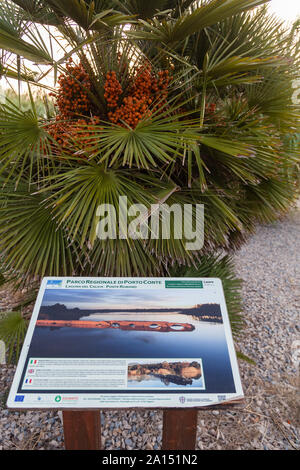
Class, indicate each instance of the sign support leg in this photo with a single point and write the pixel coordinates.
(82, 430)
(179, 429)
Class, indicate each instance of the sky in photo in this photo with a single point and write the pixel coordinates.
(119, 298)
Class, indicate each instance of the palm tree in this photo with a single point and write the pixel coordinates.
(175, 101)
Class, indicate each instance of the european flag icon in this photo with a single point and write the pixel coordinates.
(19, 398)
(54, 282)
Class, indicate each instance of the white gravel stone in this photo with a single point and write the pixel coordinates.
(2, 352)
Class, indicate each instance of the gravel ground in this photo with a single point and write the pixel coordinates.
(268, 420)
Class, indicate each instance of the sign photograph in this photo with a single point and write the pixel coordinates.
(127, 342)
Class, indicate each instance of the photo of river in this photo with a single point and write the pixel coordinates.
(99, 324)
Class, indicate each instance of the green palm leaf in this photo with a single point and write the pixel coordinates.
(77, 194)
(13, 327)
(120, 258)
(170, 32)
(86, 16)
(12, 28)
(30, 239)
(150, 144)
(24, 141)
(142, 9)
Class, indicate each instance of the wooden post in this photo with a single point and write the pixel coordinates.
(82, 430)
(179, 429)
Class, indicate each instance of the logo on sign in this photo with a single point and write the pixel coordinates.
(57, 398)
(182, 399)
(19, 398)
(221, 397)
(54, 282)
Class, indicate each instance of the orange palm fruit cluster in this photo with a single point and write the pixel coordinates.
(72, 98)
(210, 108)
(83, 133)
(131, 111)
(69, 130)
(160, 88)
(145, 94)
(143, 83)
(112, 89)
(74, 135)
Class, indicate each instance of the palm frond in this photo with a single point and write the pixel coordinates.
(192, 20)
(13, 327)
(31, 240)
(24, 142)
(13, 27)
(86, 16)
(142, 9)
(150, 144)
(76, 194)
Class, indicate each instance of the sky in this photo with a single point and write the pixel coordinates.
(287, 10)
(118, 298)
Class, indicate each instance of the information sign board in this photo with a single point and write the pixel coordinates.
(127, 343)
